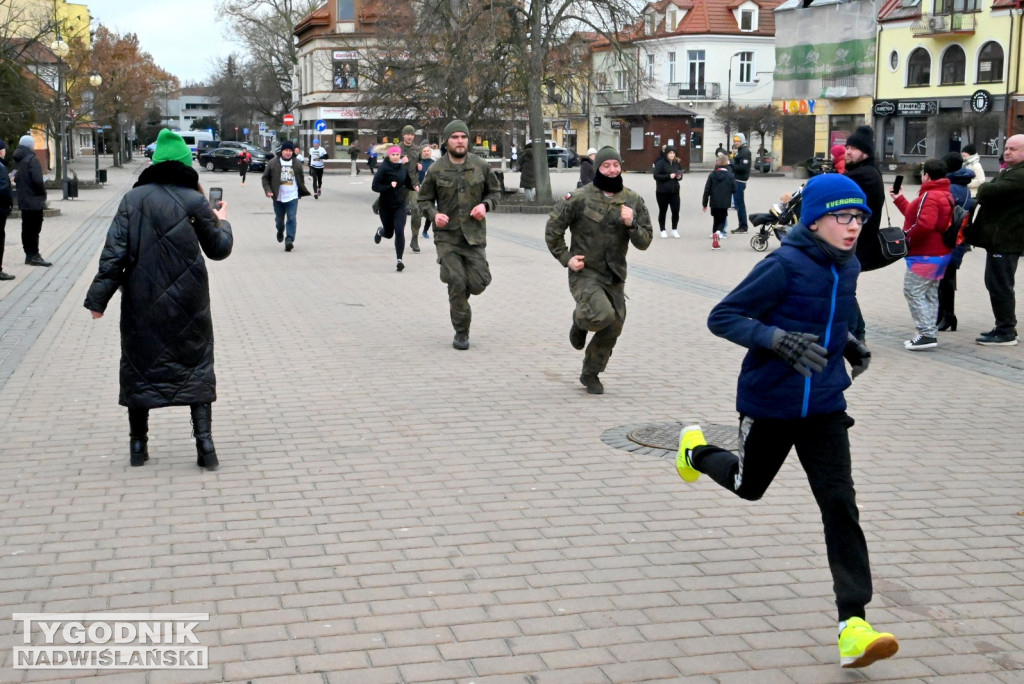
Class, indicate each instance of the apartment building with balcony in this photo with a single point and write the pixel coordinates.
(694, 55)
(824, 74)
(947, 75)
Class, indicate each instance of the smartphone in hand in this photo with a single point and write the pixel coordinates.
(897, 184)
(216, 196)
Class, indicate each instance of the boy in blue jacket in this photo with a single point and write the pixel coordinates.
(794, 312)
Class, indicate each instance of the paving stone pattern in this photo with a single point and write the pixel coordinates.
(392, 510)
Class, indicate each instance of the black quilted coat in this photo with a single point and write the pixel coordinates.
(154, 253)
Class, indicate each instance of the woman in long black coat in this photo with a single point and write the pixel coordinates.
(154, 253)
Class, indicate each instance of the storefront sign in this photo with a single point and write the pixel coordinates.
(345, 55)
(884, 108)
(981, 101)
(905, 107)
(597, 121)
(798, 106)
(917, 107)
(340, 113)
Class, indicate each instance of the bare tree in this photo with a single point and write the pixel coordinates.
(265, 29)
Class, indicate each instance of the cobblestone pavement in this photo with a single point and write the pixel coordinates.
(389, 509)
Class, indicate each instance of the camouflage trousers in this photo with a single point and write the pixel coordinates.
(464, 269)
(415, 219)
(600, 309)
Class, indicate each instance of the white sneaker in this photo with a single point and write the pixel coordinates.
(675, 233)
(722, 235)
(664, 234)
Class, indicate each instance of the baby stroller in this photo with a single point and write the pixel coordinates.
(777, 221)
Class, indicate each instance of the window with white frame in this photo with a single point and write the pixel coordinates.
(672, 68)
(747, 20)
(695, 68)
(621, 82)
(670, 20)
(650, 65)
(746, 68)
(636, 138)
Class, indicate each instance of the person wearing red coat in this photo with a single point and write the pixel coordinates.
(925, 219)
(838, 153)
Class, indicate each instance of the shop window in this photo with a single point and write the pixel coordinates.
(954, 66)
(915, 135)
(636, 138)
(919, 68)
(990, 63)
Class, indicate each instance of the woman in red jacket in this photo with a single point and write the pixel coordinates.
(926, 218)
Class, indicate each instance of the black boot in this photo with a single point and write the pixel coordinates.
(138, 433)
(947, 301)
(202, 426)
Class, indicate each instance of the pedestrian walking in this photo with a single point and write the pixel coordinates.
(791, 390)
(371, 158)
(411, 153)
(244, 159)
(285, 183)
(528, 175)
(154, 255)
(317, 155)
(999, 229)
(862, 169)
(741, 174)
(6, 203)
(457, 192)
(718, 193)
(353, 155)
(31, 187)
(587, 168)
(603, 219)
(426, 161)
(667, 173)
(393, 183)
(925, 219)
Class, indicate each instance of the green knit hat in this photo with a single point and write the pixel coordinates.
(171, 147)
(456, 126)
(409, 130)
(605, 153)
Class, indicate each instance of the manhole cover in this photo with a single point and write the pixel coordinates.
(662, 439)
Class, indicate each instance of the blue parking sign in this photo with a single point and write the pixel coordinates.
(245, 131)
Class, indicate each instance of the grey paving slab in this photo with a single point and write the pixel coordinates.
(392, 510)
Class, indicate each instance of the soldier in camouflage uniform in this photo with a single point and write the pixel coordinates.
(603, 218)
(411, 158)
(457, 192)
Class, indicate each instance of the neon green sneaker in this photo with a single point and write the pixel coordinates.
(859, 645)
(690, 437)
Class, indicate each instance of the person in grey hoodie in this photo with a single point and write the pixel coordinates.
(31, 199)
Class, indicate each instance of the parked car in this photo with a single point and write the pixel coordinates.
(205, 146)
(763, 163)
(256, 152)
(226, 159)
(149, 149)
(569, 158)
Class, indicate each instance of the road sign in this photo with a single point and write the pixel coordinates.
(320, 125)
(263, 127)
(245, 131)
(287, 119)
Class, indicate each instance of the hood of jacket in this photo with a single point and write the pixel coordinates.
(973, 159)
(962, 176)
(21, 153)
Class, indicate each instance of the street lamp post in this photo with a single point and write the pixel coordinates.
(61, 49)
(96, 80)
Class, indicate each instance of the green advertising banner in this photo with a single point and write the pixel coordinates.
(847, 58)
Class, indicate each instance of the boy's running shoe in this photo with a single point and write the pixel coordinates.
(690, 437)
(859, 645)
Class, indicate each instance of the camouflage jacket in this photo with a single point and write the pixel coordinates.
(454, 189)
(595, 222)
(413, 153)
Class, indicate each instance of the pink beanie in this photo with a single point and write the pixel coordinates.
(394, 149)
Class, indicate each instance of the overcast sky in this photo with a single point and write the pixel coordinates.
(183, 36)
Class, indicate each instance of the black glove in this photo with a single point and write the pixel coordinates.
(801, 351)
(857, 354)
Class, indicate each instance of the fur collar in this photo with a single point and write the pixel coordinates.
(170, 173)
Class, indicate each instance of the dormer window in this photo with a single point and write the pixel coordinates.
(649, 24)
(670, 20)
(748, 20)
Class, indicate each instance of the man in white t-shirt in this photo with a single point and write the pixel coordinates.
(284, 182)
(317, 154)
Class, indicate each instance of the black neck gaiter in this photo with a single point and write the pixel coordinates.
(607, 184)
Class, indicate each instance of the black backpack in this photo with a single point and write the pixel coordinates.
(962, 218)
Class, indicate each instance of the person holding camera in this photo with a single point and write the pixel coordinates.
(154, 255)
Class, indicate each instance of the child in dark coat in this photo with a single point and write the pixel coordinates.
(718, 192)
(794, 313)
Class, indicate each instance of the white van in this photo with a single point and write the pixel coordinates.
(192, 139)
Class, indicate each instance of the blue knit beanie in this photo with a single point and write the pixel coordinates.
(830, 192)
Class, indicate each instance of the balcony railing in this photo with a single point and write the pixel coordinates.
(614, 97)
(694, 91)
(937, 24)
